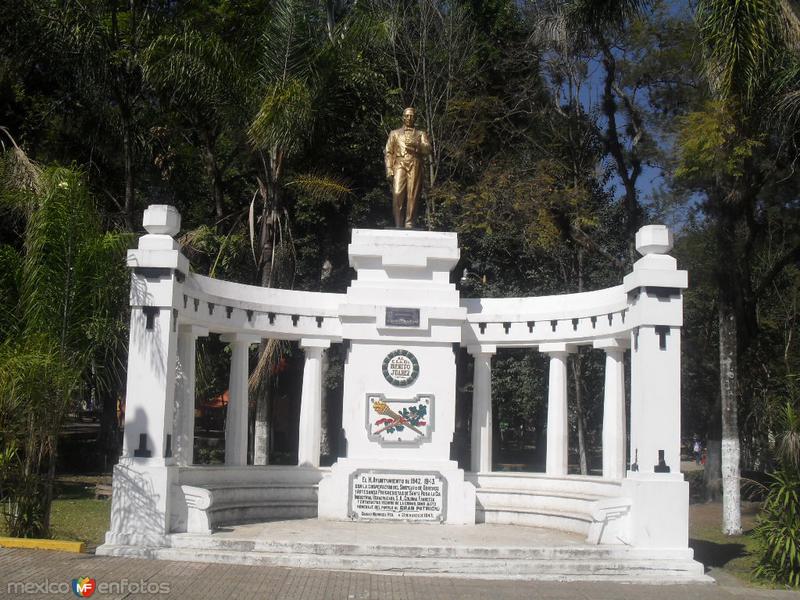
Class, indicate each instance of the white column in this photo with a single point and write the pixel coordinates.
(656, 397)
(614, 408)
(236, 417)
(184, 394)
(311, 403)
(481, 428)
(151, 384)
(655, 315)
(557, 430)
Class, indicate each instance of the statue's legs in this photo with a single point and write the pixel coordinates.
(413, 189)
(399, 189)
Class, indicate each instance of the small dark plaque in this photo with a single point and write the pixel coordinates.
(402, 317)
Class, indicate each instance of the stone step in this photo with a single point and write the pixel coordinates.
(423, 551)
(610, 569)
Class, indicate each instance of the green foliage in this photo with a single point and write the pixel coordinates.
(778, 530)
(710, 142)
(62, 310)
(739, 40)
(285, 117)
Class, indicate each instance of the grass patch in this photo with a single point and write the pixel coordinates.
(84, 520)
(734, 555)
(75, 514)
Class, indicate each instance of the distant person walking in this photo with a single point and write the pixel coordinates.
(698, 450)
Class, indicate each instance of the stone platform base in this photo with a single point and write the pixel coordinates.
(481, 551)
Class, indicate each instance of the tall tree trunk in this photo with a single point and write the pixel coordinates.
(577, 372)
(324, 437)
(214, 173)
(107, 437)
(263, 413)
(628, 167)
(712, 474)
(49, 483)
(730, 290)
(728, 376)
(127, 154)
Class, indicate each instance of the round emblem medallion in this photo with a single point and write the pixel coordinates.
(400, 368)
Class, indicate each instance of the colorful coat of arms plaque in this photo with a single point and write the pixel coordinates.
(400, 421)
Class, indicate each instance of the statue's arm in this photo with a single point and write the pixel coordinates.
(388, 155)
(424, 143)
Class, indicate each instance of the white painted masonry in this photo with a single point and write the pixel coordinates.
(557, 431)
(614, 407)
(481, 431)
(311, 404)
(184, 393)
(158, 493)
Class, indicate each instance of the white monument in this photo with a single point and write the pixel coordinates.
(402, 316)
(402, 319)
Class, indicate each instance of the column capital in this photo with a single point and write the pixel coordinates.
(243, 338)
(557, 348)
(608, 344)
(321, 343)
(193, 330)
(476, 349)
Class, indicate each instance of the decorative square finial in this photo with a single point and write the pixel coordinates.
(653, 239)
(162, 219)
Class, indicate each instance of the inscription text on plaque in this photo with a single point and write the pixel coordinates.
(397, 496)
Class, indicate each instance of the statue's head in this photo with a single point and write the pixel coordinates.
(409, 116)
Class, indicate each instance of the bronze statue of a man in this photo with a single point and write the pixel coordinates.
(404, 154)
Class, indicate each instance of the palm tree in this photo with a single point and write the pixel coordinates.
(62, 307)
(306, 57)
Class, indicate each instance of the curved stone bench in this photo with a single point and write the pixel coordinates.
(218, 496)
(582, 505)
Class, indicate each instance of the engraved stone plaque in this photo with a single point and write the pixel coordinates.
(402, 317)
(417, 496)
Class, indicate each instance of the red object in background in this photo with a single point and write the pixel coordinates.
(280, 366)
(220, 401)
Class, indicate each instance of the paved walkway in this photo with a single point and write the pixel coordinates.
(28, 573)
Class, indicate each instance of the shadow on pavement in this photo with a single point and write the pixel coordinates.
(713, 554)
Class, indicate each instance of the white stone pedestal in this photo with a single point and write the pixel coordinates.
(659, 510)
(402, 317)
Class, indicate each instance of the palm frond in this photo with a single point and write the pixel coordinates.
(321, 188)
(285, 117)
(739, 41)
(289, 40)
(192, 67)
(17, 171)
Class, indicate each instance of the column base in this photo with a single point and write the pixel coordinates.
(141, 503)
(659, 515)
